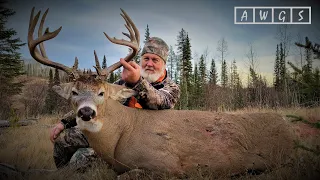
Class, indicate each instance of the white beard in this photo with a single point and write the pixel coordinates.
(152, 77)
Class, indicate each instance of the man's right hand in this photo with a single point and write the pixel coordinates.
(56, 131)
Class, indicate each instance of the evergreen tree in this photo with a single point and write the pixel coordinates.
(223, 49)
(51, 96)
(224, 74)
(180, 45)
(307, 78)
(56, 79)
(314, 47)
(177, 70)
(202, 71)
(186, 61)
(171, 63)
(213, 77)
(147, 34)
(196, 87)
(277, 69)
(252, 85)
(185, 71)
(59, 102)
(11, 64)
(112, 78)
(181, 41)
(104, 62)
(234, 75)
(236, 87)
(282, 68)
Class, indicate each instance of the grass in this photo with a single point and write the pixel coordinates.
(29, 147)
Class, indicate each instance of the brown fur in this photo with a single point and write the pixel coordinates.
(179, 140)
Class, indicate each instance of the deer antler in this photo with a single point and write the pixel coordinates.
(134, 43)
(41, 56)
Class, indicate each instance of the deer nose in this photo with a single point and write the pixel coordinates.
(86, 113)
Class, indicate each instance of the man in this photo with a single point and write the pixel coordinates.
(155, 90)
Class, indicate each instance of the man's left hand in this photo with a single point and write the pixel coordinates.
(131, 72)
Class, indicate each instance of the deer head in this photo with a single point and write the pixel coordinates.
(88, 92)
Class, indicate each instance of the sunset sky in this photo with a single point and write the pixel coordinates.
(206, 21)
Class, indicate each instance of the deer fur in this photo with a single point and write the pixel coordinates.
(176, 141)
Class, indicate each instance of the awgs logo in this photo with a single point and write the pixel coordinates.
(272, 15)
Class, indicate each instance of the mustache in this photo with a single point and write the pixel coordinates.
(149, 69)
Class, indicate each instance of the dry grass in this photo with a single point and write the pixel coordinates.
(29, 148)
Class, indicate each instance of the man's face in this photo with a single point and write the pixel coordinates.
(152, 67)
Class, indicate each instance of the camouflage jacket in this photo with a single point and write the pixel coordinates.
(156, 96)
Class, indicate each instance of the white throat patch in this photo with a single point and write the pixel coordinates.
(88, 125)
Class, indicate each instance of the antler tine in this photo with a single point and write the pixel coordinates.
(137, 35)
(42, 49)
(134, 42)
(41, 56)
(97, 67)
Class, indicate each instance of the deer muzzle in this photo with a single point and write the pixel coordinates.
(86, 113)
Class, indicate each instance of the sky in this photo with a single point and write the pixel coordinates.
(206, 22)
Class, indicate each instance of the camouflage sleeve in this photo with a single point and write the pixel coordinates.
(164, 98)
(69, 120)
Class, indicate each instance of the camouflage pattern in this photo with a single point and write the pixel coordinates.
(72, 145)
(156, 96)
(83, 158)
(156, 46)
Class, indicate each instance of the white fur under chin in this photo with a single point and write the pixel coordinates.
(88, 125)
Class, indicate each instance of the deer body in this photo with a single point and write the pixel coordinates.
(177, 141)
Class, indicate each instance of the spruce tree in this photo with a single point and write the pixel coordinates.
(11, 64)
(236, 87)
(307, 77)
(50, 100)
(213, 75)
(185, 70)
(171, 63)
(224, 74)
(147, 34)
(180, 45)
(277, 69)
(112, 78)
(196, 87)
(282, 68)
(309, 45)
(104, 62)
(202, 71)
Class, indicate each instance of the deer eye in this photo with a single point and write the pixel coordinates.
(101, 94)
(74, 93)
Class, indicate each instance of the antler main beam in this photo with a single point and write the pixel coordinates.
(41, 55)
(134, 42)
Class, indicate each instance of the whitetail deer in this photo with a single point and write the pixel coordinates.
(166, 140)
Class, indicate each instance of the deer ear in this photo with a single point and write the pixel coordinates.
(64, 90)
(120, 93)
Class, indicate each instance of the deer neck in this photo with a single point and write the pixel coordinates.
(116, 119)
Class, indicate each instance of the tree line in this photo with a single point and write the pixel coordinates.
(202, 87)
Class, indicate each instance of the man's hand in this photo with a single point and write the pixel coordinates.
(56, 131)
(131, 72)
